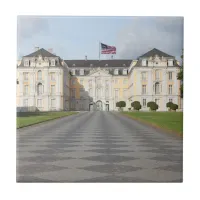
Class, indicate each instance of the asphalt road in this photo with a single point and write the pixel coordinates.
(97, 147)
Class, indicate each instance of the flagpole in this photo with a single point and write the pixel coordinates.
(99, 50)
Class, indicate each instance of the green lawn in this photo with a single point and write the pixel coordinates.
(172, 121)
(25, 119)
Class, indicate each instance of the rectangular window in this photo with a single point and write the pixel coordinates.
(53, 89)
(25, 102)
(26, 63)
(170, 75)
(124, 71)
(143, 76)
(53, 103)
(73, 82)
(81, 81)
(90, 92)
(116, 94)
(39, 103)
(81, 92)
(144, 102)
(157, 101)
(25, 89)
(116, 71)
(52, 62)
(170, 100)
(73, 72)
(157, 88)
(53, 78)
(170, 89)
(157, 74)
(107, 83)
(144, 63)
(25, 74)
(143, 89)
(73, 93)
(125, 93)
(116, 81)
(90, 83)
(82, 72)
(125, 81)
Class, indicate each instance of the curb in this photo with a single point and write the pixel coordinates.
(180, 135)
(46, 121)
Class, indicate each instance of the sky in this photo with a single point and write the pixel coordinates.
(77, 37)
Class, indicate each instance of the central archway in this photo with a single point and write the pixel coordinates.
(99, 105)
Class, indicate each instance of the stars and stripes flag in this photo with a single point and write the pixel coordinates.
(105, 49)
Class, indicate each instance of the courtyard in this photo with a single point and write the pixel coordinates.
(99, 147)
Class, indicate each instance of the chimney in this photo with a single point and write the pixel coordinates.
(50, 50)
(85, 58)
(37, 48)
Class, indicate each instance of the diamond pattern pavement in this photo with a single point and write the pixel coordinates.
(97, 147)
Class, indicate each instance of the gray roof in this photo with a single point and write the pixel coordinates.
(154, 52)
(97, 63)
(42, 52)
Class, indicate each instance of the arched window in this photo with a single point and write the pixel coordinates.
(39, 75)
(39, 88)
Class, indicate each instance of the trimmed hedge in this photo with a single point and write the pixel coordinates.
(174, 107)
(136, 105)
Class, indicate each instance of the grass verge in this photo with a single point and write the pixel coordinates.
(27, 119)
(169, 121)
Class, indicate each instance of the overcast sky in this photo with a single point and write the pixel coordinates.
(75, 37)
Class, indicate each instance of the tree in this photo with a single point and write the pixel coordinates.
(153, 106)
(168, 105)
(150, 103)
(117, 104)
(121, 104)
(174, 107)
(136, 105)
(180, 77)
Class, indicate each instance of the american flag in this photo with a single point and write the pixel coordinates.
(105, 49)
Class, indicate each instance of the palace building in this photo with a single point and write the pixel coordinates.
(46, 82)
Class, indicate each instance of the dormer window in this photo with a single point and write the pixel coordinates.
(170, 63)
(124, 65)
(26, 63)
(73, 65)
(73, 71)
(116, 71)
(91, 65)
(106, 65)
(144, 62)
(53, 62)
(82, 72)
(124, 71)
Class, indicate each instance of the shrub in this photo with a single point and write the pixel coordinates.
(174, 107)
(117, 104)
(121, 104)
(136, 105)
(150, 103)
(153, 106)
(169, 104)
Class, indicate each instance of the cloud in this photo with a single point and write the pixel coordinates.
(29, 26)
(146, 33)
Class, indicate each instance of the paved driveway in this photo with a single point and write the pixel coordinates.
(97, 147)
